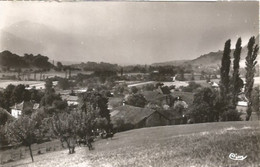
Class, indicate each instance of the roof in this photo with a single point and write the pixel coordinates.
(185, 96)
(130, 114)
(165, 90)
(36, 106)
(181, 102)
(23, 105)
(69, 98)
(242, 103)
(169, 114)
(214, 84)
(152, 95)
(115, 101)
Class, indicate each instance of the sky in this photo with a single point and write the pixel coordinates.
(125, 32)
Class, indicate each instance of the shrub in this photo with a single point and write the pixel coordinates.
(231, 115)
(191, 87)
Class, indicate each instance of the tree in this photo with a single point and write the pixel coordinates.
(49, 95)
(192, 76)
(4, 116)
(63, 126)
(63, 83)
(203, 107)
(20, 94)
(95, 101)
(36, 95)
(224, 75)
(134, 90)
(87, 121)
(250, 72)
(7, 95)
(231, 114)
(256, 101)
(237, 82)
(137, 100)
(121, 71)
(181, 75)
(59, 66)
(41, 62)
(3, 138)
(49, 99)
(22, 131)
(48, 86)
(68, 125)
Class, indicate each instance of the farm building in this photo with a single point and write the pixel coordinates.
(174, 117)
(17, 109)
(129, 117)
(153, 96)
(156, 97)
(136, 117)
(71, 100)
(114, 102)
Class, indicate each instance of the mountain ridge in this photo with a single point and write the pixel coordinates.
(209, 59)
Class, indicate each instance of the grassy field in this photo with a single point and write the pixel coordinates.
(5, 83)
(207, 144)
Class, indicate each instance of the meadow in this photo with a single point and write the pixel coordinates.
(207, 144)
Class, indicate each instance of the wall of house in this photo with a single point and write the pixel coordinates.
(156, 120)
(16, 113)
(176, 121)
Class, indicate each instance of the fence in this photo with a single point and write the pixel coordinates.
(22, 152)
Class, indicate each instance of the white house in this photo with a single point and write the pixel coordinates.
(71, 100)
(17, 109)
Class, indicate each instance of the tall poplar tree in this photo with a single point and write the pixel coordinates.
(250, 73)
(237, 82)
(224, 74)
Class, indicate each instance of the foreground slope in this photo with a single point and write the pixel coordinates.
(207, 144)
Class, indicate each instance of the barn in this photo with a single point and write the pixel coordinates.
(129, 117)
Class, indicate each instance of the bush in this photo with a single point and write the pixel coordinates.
(137, 100)
(148, 87)
(231, 115)
(192, 87)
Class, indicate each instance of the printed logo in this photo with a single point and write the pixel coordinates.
(236, 157)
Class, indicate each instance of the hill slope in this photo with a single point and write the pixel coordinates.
(206, 144)
(209, 59)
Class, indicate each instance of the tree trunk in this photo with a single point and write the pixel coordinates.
(31, 152)
(68, 144)
(249, 112)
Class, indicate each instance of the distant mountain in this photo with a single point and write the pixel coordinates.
(209, 59)
(172, 63)
(214, 58)
(30, 37)
(19, 45)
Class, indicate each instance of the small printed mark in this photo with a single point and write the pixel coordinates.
(236, 157)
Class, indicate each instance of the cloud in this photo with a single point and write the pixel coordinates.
(127, 32)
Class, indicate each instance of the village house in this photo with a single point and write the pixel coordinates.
(137, 117)
(71, 100)
(128, 117)
(154, 96)
(17, 109)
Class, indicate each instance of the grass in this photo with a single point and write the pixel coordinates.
(207, 144)
(5, 83)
